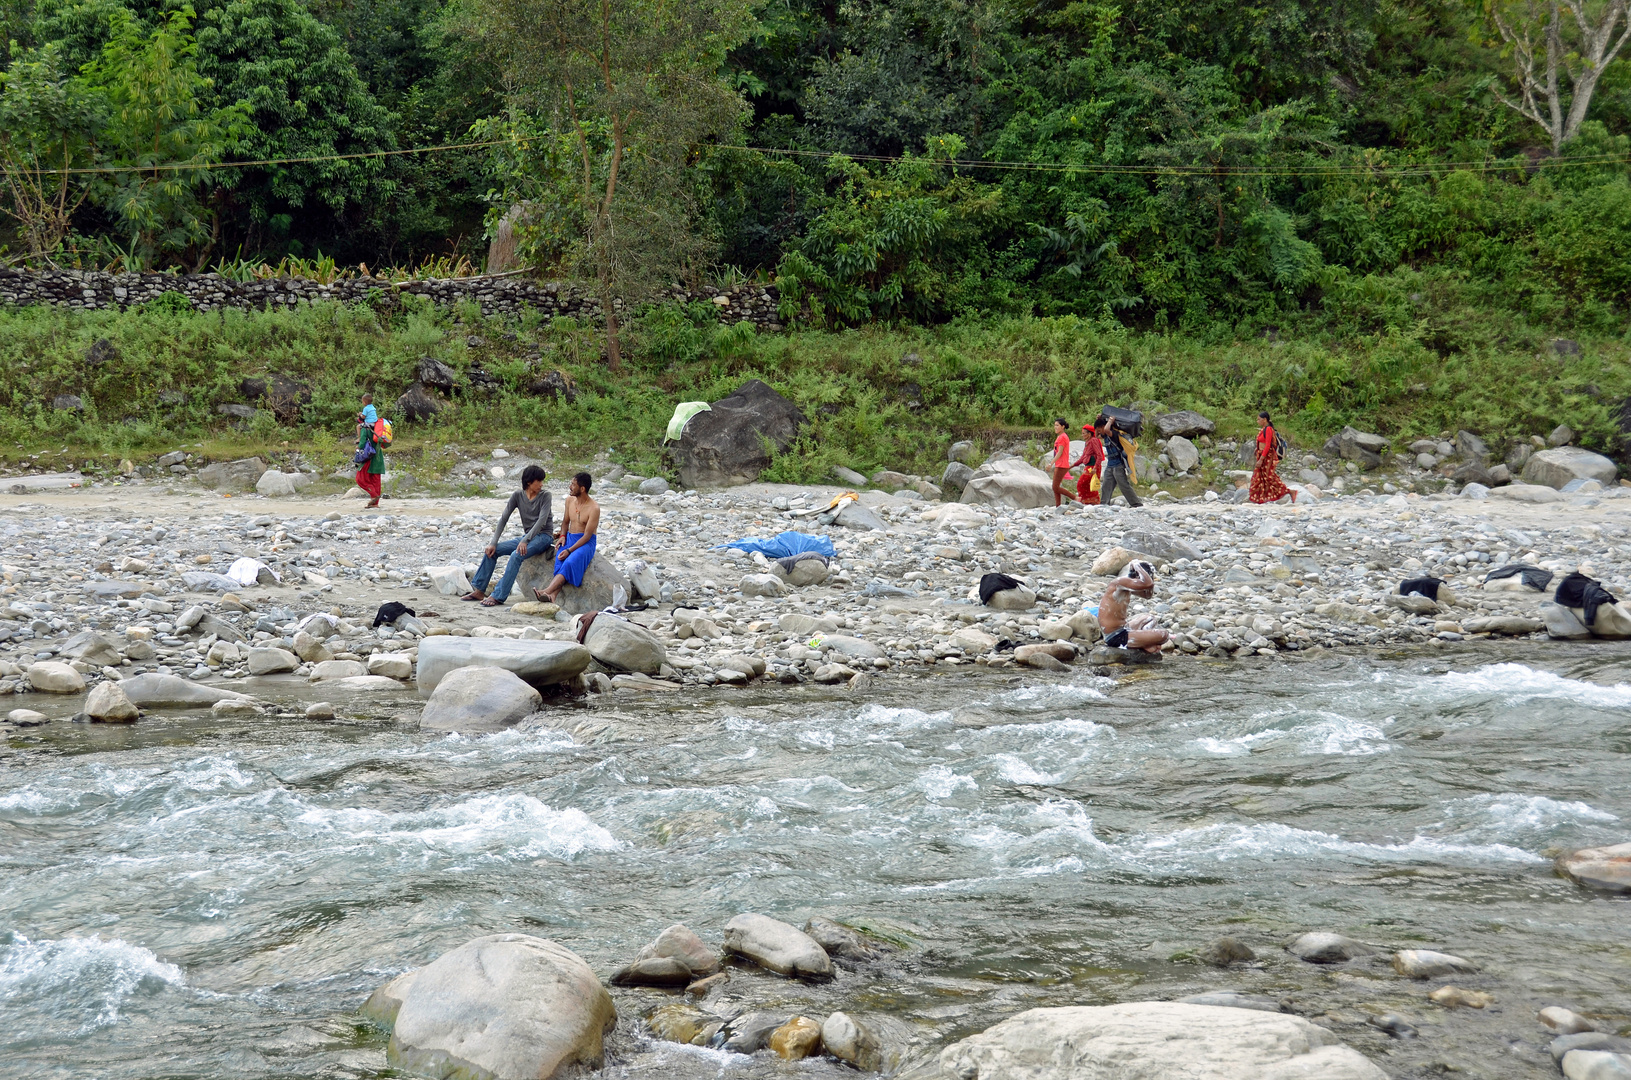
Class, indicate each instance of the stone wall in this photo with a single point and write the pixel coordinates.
(93, 289)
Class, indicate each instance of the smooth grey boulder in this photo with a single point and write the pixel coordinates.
(778, 946)
(336, 669)
(654, 971)
(1606, 868)
(55, 677)
(805, 572)
(625, 646)
(1555, 468)
(109, 704)
(276, 484)
(1151, 1040)
(152, 690)
(1182, 453)
(1009, 482)
(601, 583)
(240, 475)
(1185, 423)
(956, 477)
(852, 1041)
(477, 699)
(264, 661)
(1019, 598)
(1563, 623)
(1326, 948)
(852, 647)
(678, 942)
(733, 441)
(92, 648)
(540, 663)
(503, 1007)
(767, 584)
(1596, 1065)
(1597, 1041)
(852, 515)
(839, 941)
(1427, 964)
(1160, 546)
(1529, 493)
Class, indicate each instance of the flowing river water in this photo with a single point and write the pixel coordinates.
(198, 896)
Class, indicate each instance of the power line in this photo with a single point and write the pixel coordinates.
(182, 166)
(1358, 169)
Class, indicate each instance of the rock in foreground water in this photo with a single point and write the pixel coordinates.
(1606, 868)
(1564, 1021)
(777, 946)
(504, 1007)
(476, 699)
(1151, 1040)
(154, 690)
(1326, 948)
(107, 703)
(1426, 964)
(1596, 1065)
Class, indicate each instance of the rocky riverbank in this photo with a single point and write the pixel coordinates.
(117, 582)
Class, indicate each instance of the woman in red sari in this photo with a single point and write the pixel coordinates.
(1266, 483)
(1092, 461)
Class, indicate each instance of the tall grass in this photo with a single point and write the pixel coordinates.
(875, 396)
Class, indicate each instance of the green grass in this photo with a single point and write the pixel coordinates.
(876, 396)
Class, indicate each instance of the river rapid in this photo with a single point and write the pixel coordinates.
(210, 897)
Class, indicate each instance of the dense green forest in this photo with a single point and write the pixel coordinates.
(1356, 165)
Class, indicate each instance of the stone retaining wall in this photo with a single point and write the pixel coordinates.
(92, 289)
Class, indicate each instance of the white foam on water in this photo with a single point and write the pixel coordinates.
(1338, 734)
(1518, 682)
(1053, 729)
(84, 981)
(939, 782)
(1017, 770)
(1057, 695)
(1509, 816)
(1225, 842)
(901, 720)
(512, 826)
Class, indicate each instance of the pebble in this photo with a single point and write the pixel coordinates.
(1456, 997)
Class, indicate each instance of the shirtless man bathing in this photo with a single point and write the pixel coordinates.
(1141, 631)
(575, 543)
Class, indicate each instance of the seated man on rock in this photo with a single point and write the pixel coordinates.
(1141, 631)
(533, 502)
(575, 544)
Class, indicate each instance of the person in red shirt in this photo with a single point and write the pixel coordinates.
(1061, 462)
(1266, 483)
(1092, 462)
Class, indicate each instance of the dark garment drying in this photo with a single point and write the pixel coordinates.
(1533, 576)
(388, 614)
(791, 561)
(584, 624)
(992, 584)
(1425, 586)
(1579, 591)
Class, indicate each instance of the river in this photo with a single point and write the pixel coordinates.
(199, 896)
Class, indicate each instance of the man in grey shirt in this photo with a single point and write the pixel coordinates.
(537, 528)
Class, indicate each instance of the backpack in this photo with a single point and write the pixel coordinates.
(383, 433)
(1280, 445)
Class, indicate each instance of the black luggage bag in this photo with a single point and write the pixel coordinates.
(1129, 422)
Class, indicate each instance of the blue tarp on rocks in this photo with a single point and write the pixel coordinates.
(788, 543)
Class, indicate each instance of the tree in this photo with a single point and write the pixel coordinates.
(160, 138)
(48, 126)
(634, 87)
(1559, 50)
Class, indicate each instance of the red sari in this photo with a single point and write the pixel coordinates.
(1092, 461)
(1266, 483)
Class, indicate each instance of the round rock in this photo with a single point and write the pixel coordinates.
(777, 946)
(478, 699)
(504, 1007)
(1326, 948)
(55, 677)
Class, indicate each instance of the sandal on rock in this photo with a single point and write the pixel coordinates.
(491, 602)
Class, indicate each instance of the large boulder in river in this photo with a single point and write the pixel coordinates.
(1152, 1040)
(539, 663)
(503, 1007)
(1555, 468)
(599, 590)
(153, 690)
(776, 945)
(1009, 482)
(473, 699)
(1606, 868)
(726, 444)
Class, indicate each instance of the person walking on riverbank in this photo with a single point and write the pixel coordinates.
(1266, 483)
(1119, 468)
(1061, 462)
(575, 545)
(1092, 464)
(370, 459)
(537, 521)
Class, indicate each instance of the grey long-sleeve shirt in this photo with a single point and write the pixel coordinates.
(536, 516)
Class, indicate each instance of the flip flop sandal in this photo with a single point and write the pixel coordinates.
(539, 594)
(473, 595)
